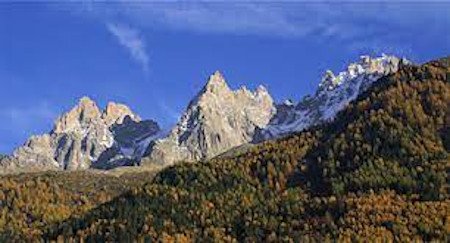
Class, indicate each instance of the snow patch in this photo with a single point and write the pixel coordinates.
(334, 93)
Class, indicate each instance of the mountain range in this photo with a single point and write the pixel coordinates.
(377, 170)
(216, 120)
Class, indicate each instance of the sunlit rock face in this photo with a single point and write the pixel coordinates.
(86, 137)
(216, 120)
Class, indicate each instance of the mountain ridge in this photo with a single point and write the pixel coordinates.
(333, 94)
(216, 120)
(79, 138)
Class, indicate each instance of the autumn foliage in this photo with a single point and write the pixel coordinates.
(378, 172)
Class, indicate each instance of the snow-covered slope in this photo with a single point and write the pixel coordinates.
(334, 93)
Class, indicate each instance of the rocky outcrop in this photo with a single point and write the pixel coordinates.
(335, 92)
(86, 137)
(116, 113)
(216, 120)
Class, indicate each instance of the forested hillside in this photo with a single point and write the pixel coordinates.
(378, 171)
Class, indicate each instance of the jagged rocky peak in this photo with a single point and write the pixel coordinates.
(86, 137)
(115, 113)
(216, 120)
(85, 112)
(334, 93)
(366, 66)
(216, 84)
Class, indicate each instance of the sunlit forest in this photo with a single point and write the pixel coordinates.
(379, 171)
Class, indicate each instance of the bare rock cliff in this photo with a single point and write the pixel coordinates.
(83, 138)
(216, 120)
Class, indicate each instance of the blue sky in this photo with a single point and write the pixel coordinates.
(154, 57)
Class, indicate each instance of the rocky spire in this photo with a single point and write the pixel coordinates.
(216, 84)
(85, 112)
(216, 120)
(115, 113)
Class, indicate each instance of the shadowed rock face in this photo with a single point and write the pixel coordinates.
(216, 120)
(131, 139)
(82, 137)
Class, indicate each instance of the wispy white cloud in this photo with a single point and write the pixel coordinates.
(280, 19)
(354, 24)
(131, 39)
(242, 18)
